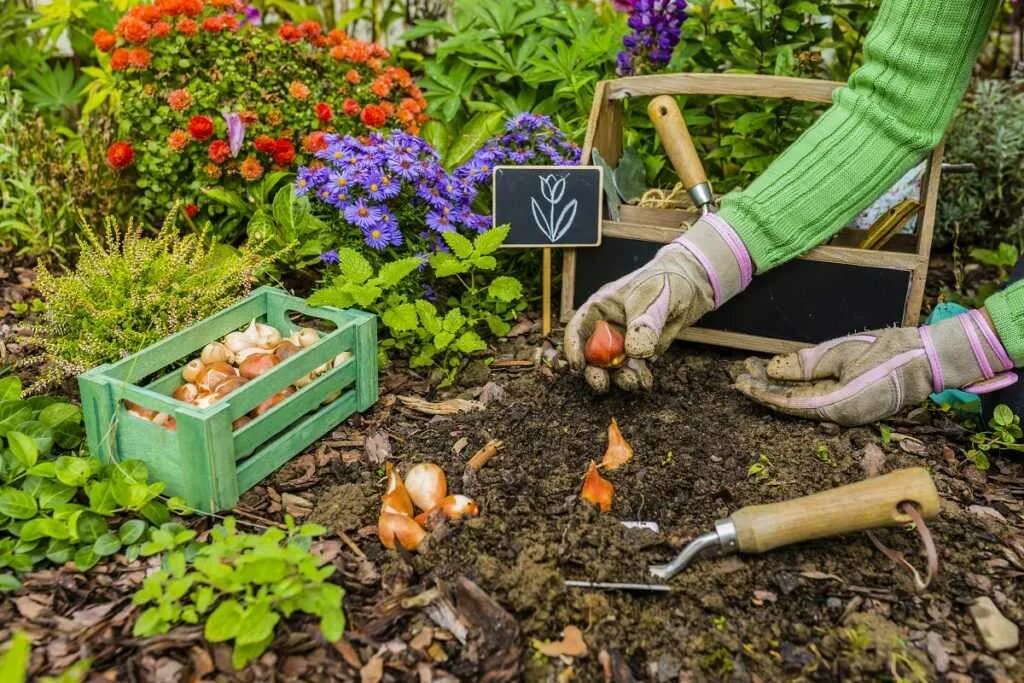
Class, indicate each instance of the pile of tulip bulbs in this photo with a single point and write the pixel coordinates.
(426, 488)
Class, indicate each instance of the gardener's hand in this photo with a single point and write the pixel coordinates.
(687, 278)
(866, 377)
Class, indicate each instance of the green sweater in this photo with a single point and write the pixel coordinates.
(892, 112)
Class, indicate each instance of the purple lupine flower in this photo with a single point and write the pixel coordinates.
(657, 29)
(329, 257)
(236, 132)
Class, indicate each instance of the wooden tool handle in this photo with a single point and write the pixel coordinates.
(865, 505)
(675, 137)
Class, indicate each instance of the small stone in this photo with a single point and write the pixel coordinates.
(937, 651)
(668, 668)
(834, 603)
(997, 632)
(794, 657)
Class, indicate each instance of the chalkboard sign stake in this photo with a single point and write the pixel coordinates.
(545, 325)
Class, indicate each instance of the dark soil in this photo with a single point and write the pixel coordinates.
(828, 610)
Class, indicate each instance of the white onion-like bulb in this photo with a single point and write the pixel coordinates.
(427, 485)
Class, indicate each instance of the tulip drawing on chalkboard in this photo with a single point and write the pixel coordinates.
(552, 189)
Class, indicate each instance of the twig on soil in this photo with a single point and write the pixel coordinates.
(482, 456)
(351, 544)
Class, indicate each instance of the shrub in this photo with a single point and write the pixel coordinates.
(129, 291)
(206, 98)
(985, 207)
(45, 176)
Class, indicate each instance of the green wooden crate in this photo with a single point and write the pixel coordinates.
(204, 460)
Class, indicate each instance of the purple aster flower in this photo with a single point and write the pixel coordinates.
(440, 221)
(329, 257)
(236, 132)
(363, 215)
(309, 179)
(428, 293)
(380, 186)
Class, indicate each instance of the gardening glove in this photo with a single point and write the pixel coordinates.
(866, 377)
(694, 274)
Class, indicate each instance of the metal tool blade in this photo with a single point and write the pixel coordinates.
(722, 539)
(613, 586)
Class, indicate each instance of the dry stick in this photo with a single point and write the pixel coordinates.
(483, 455)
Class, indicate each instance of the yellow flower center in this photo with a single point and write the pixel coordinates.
(374, 187)
(337, 155)
(375, 234)
(341, 182)
(363, 211)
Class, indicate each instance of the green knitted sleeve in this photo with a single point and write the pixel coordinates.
(894, 109)
(1006, 308)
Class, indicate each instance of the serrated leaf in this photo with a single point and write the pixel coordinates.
(454, 320)
(224, 622)
(459, 244)
(470, 342)
(490, 241)
(391, 274)
(401, 318)
(505, 288)
(354, 267)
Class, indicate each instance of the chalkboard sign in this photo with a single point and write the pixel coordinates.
(549, 206)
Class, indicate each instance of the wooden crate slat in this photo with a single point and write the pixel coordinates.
(260, 464)
(308, 398)
(199, 459)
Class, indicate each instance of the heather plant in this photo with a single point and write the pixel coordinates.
(207, 98)
(240, 586)
(129, 290)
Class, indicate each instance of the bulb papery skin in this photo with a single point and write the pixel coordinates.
(427, 485)
(192, 370)
(215, 352)
(597, 490)
(619, 452)
(606, 347)
(392, 527)
(459, 506)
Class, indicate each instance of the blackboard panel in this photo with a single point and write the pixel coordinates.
(549, 206)
(804, 301)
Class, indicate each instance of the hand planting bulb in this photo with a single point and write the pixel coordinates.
(606, 347)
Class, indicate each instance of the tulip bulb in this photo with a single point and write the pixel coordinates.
(597, 489)
(459, 506)
(606, 347)
(192, 371)
(240, 422)
(619, 452)
(304, 336)
(160, 419)
(215, 373)
(303, 381)
(238, 341)
(396, 497)
(263, 335)
(342, 358)
(427, 485)
(187, 393)
(401, 528)
(249, 351)
(286, 350)
(229, 385)
(138, 411)
(268, 404)
(256, 364)
(215, 352)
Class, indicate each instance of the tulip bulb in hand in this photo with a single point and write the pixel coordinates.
(606, 347)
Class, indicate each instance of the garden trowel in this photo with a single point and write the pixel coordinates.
(675, 138)
(867, 504)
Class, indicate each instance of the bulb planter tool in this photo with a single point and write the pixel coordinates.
(675, 138)
(867, 504)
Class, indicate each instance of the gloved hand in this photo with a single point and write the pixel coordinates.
(866, 377)
(688, 277)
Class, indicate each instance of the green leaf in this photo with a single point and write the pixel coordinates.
(10, 388)
(428, 316)
(149, 623)
(391, 274)
(40, 433)
(475, 133)
(14, 662)
(332, 622)
(131, 531)
(57, 414)
(243, 654)
(257, 624)
(13, 414)
(43, 527)
(459, 244)
(261, 570)
(489, 242)
(228, 199)
(446, 265)
(470, 342)
(505, 288)
(437, 136)
(17, 504)
(8, 583)
(86, 559)
(285, 212)
(224, 622)
(74, 470)
(454, 320)
(401, 318)
(354, 268)
(90, 526)
(497, 326)
(107, 544)
(51, 494)
(23, 448)
(101, 497)
(1002, 415)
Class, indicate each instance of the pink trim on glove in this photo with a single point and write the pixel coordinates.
(938, 383)
(992, 338)
(716, 282)
(739, 250)
(987, 386)
(979, 353)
